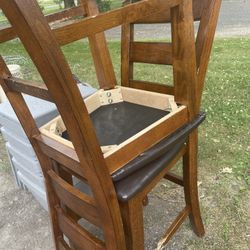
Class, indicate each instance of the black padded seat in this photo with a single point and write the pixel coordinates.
(128, 187)
(163, 147)
(132, 178)
(115, 123)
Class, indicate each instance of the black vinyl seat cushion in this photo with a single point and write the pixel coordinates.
(115, 123)
(129, 186)
(134, 176)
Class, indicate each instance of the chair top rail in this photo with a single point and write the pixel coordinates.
(95, 24)
(79, 29)
(165, 17)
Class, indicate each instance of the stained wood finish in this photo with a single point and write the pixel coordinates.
(102, 60)
(154, 52)
(22, 111)
(81, 238)
(77, 201)
(27, 87)
(187, 90)
(43, 49)
(132, 222)
(165, 16)
(61, 154)
(204, 42)
(190, 183)
(150, 86)
(8, 33)
(95, 24)
(174, 227)
(174, 178)
(184, 61)
(121, 223)
(126, 66)
(205, 11)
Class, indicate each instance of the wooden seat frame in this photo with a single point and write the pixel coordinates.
(121, 222)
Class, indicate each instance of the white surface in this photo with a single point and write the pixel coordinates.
(3, 97)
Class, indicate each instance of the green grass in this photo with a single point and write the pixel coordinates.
(225, 99)
(49, 6)
(224, 137)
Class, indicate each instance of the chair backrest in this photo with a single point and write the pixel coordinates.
(205, 12)
(86, 160)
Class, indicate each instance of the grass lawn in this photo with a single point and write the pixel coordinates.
(224, 169)
(49, 6)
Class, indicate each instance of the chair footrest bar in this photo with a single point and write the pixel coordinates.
(173, 228)
(174, 178)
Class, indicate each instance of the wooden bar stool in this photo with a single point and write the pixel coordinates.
(122, 140)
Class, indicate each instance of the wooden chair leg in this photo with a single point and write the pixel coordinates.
(190, 183)
(132, 216)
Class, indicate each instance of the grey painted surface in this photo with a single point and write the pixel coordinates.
(25, 166)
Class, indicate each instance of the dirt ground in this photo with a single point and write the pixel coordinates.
(24, 224)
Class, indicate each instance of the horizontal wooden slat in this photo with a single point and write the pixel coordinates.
(151, 52)
(128, 150)
(95, 24)
(161, 14)
(174, 178)
(62, 154)
(151, 86)
(165, 16)
(80, 203)
(8, 33)
(78, 235)
(27, 87)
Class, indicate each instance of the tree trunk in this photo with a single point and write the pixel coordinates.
(68, 3)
